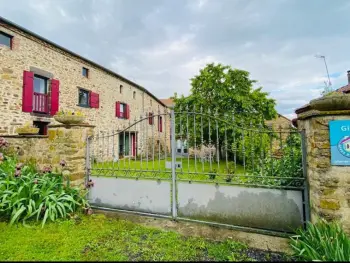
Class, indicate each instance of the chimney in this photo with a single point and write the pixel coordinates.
(348, 76)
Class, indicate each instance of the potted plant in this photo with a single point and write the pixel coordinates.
(69, 117)
(333, 100)
(27, 129)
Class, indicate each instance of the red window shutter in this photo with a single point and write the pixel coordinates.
(94, 100)
(55, 94)
(150, 118)
(28, 89)
(117, 109)
(161, 123)
(127, 112)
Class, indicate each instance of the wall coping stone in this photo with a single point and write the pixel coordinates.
(68, 126)
(315, 113)
(24, 136)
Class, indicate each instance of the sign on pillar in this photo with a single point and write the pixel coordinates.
(339, 133)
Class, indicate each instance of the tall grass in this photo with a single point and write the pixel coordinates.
(27, 194)
(322, 241)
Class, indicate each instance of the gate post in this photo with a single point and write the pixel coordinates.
(173, 168)
(329, 185)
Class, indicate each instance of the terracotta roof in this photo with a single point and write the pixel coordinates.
(345, 89)
(168, 102)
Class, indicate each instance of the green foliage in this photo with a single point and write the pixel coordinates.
(98, 238)
(222, 91)
(322, 241)
(26, 194)
(288, 165)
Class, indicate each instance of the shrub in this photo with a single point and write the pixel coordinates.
(25, 193)
(322, 241)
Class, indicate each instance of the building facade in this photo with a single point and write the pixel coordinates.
(38, 78)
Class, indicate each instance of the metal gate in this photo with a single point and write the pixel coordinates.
(202, 167)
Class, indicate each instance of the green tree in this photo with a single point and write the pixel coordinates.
(226, 93)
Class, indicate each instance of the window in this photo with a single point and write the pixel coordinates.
(121, 89)
(40, 84)
(122, 110)
(85, 72)
(134, 95)
(83, 98)
(6, 39)
(42, 127)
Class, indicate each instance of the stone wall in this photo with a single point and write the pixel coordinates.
(29, 53)
(329, 185)
(62, 143)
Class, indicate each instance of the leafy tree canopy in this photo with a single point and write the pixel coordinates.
(225, 90)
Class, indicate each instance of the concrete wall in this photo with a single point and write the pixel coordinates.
(129, 194)
(272, 209)
(29, 52)
(329, 185)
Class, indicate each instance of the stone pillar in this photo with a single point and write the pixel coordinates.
(68, 142)
(329, 186)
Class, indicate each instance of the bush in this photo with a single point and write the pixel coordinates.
(25, 193)
(322, 241)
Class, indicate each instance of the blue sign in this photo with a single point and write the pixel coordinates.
(339, 133)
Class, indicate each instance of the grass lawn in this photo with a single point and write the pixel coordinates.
(98, 238)
(191, 170)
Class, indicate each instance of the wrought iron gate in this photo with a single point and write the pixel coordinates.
(203, 167)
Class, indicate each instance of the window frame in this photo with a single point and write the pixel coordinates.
(124, 105)
(160, 123)
(87, 72)
(10, 37)
(46, 83)
(88, 98)
(120, 89)
(134, 95)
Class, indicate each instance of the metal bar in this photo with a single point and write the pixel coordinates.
(194, 136)
(142, 130)
(87, 160)
(202, 143)
(241, 228)
(173, 168)
(181, 148)
(252, 146)
(165, 134)
(210, 164)
(160, 124)
(129, 211)
(217, 142)
(130, 145)
(226, 157)
(234, 142)
(187, 142)
(153, 142)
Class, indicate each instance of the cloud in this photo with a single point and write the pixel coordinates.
(162, 44)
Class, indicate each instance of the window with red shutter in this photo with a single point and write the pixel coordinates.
(27, 95)
(55, 94)
(117, 109)
(127, 112)
(94, 100)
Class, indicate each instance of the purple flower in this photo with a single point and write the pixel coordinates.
(19, 166)
(47, 169)
(17, 173)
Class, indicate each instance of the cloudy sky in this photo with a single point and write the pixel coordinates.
(161, 44)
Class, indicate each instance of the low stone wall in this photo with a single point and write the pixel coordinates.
(329, 185)
(62, 143)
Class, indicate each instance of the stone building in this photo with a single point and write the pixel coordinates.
(39, 78)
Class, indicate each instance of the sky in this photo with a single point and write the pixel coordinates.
(162, 44)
